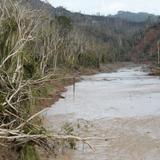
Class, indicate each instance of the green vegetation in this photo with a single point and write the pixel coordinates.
(29, 153)
(69, 130)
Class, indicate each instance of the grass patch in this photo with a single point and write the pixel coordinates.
(29, 153)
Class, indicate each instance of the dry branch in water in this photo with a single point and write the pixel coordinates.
(17, 136)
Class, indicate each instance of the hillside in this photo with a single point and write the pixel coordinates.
(146, 46)
(113, 34)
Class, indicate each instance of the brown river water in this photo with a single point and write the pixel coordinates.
(123, 106)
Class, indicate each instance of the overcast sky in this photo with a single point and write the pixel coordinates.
(109, 6)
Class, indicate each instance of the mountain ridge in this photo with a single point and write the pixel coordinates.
(123, 15)
(118, 31)
(137, 17)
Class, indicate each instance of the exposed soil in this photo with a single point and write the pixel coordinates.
(155, 71)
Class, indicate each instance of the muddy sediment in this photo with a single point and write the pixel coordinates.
(123, 107)
(128, 138)
(58, 86)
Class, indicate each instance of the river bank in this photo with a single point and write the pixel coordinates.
(49, 93)
(56, 87)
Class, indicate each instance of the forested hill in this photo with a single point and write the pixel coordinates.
(113, 35)
(146, 46)
(124, 15)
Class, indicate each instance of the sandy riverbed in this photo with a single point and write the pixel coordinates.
(123, 105)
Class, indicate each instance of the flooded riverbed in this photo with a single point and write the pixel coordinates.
(126, 93)
(123, 104)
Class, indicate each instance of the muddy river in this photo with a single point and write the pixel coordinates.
(123, 106)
